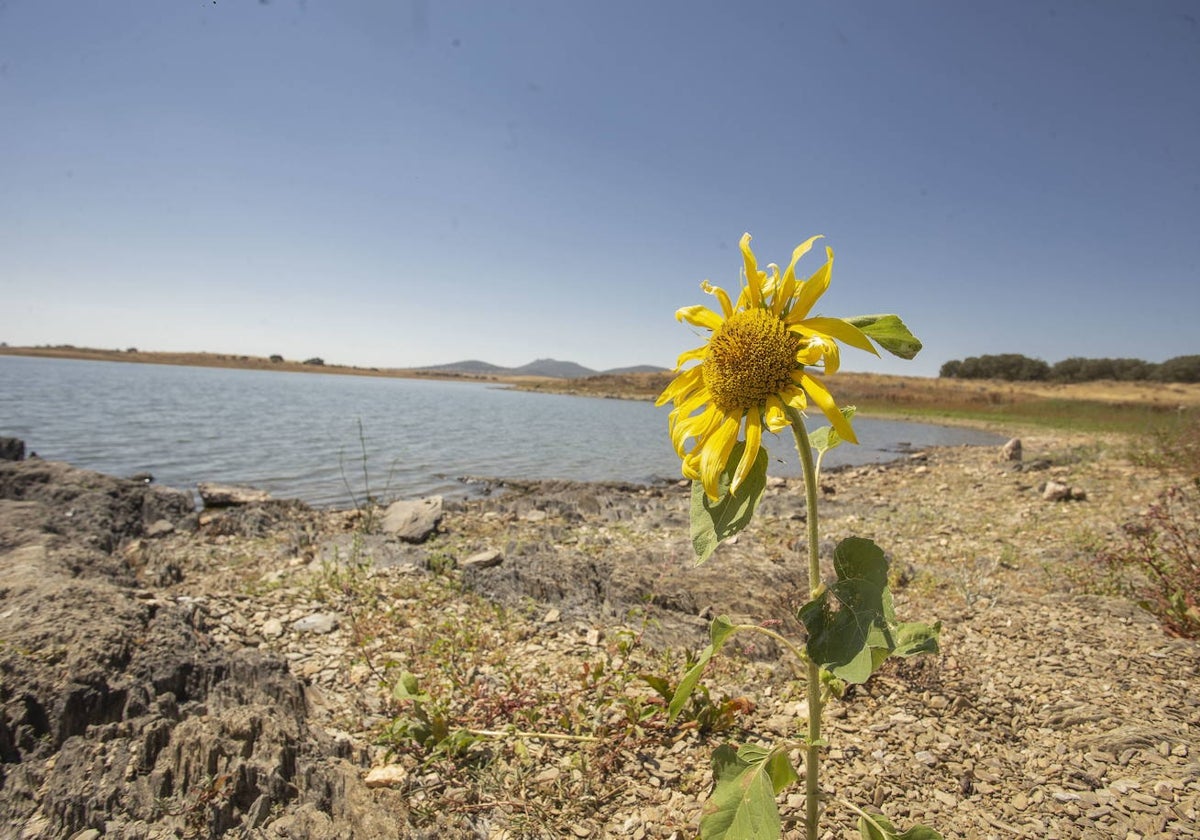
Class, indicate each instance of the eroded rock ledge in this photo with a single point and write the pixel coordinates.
(119, 712)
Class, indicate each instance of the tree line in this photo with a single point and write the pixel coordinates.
(1017, 368)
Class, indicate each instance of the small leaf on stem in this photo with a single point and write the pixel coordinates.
(890, 333)
(879, 827)
(826, 437)
(718, 632)
(713, 522)
(852, 625)
(742, 805)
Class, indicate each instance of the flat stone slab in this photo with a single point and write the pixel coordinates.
(413, 521)
(230, 495)
(319, 623)
(484, 559)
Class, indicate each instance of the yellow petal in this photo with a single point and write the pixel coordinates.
(700, 316)
(840, 330)
(811, 290)
(774, 415)
(833, 358)
(750, 453)
(771, 290)
(788, 291)
(680, 385)
(696, 427)
(821, 396)
(811, 351)
(691, 356)
(793, 396)
(722, 296)
(753, 282)
(715, 453)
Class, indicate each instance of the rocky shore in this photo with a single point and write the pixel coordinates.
(233, 671)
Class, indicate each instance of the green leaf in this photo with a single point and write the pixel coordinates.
(408, 688)
(742, 805)
(879, 827)
(659, 684)
(713, 522)
(718, 632)
(852, 624)
(914, 637)
(920, 832)
(890, 333)
(778, 766)
(826, 437)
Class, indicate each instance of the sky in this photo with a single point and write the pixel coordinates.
(398, 184)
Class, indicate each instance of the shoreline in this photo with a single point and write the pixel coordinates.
(891, 395)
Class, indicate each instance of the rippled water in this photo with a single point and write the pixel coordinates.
(298, 434)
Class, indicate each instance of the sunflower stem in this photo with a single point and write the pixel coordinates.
(812, 752)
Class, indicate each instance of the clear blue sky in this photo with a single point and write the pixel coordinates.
(409, 183)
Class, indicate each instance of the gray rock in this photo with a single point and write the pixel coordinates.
(228, 495)
(1011, 451)
(160, 528)
(12, 449)
(134, 702)
(413, 521)
(1056, 491)
(483, 560)
(319, 623)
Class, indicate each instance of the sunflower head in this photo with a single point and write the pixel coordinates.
(755, 364)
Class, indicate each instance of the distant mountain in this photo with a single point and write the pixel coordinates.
(471, 366)
(550, 368)
(634, 369)
(554, 369)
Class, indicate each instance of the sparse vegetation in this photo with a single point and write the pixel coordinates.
(1156, 559)
(552, 742)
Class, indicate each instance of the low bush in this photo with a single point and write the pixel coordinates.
(1156, 559)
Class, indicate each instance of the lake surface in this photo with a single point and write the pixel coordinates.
(298, 434)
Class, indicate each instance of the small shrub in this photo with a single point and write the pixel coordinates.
(1173, 447)
(1157, 560)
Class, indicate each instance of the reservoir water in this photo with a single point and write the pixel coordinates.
(303, 435)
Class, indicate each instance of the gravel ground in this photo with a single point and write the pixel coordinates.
(1052, 711)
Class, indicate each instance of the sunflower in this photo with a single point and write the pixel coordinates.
(755, 365)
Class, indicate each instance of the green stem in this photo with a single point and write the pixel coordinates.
(812, 752)
(546, 736)
(783, 640)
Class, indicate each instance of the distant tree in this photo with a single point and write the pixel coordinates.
(1132, 370)
(130, 349)
(951, 369)
(1073, 369)
(1180, 369)
(276, 358)
(315, 360)
(1009, 366)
